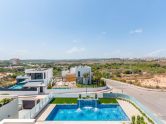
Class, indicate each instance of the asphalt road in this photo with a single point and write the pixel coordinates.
(154, 100)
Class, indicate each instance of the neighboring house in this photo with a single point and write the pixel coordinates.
(80, 74)
(40, 78)
(40, 74)
(84, 74)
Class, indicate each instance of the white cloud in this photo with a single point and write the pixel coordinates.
(136, 31)
(156, 53)
(74, 50)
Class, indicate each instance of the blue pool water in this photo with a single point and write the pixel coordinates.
(17, 86)
(74, 113)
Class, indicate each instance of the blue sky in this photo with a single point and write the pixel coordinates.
(76, 29)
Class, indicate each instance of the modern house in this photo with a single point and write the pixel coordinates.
(80, 74)
(40, 74)
(40, 78)
(36, 78)
(84, 74)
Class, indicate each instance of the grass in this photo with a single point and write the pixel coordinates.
(107, 100)
(5, 101)
(64, 101)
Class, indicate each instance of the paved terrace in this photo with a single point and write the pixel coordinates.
(154, 100)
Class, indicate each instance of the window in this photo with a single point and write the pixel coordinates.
(78, 73)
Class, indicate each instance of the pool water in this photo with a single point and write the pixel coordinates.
(107, 112)
(17, 86)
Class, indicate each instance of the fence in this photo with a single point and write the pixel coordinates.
(76, 90)
(37, 108)
(137, 103)
(34, 111)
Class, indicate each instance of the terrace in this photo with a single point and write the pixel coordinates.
(82, 108)
(89, 110)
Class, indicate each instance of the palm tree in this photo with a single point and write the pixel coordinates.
(85, 76)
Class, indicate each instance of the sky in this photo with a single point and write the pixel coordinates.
(80, 29)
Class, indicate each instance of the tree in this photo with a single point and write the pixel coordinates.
(85, 76)
(97, 76)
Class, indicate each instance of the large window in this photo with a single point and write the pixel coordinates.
(36, 76)
(78, 73)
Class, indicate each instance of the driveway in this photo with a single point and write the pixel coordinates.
(154, 100)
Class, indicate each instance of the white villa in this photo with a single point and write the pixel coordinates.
(37, 78)
(40, 74)
(77, 74)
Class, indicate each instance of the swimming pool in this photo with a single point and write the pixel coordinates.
(107, 112)
(17, 86)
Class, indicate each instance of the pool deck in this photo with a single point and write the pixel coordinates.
(40, 119)
(128, 108)
(45, 112)
(82, 122)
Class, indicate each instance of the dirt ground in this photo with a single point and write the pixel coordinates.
(158, 81)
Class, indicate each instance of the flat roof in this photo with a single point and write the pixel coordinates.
(34, 84)
(22, 77)
(34, 70)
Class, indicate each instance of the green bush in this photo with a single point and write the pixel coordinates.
(79, 96)
(5, 101)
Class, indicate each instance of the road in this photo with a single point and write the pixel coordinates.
(154, 100)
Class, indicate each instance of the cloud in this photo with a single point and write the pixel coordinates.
(136, 31)
(156, 53)
(74, 50)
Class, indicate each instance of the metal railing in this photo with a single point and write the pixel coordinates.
(137, 103)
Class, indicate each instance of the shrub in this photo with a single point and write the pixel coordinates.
(133, 119)
(5, 101)
(79, 96)
(95, 96)
(49, 86)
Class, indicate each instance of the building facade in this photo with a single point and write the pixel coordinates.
(15, 61)
(84, 74)
(40, 74)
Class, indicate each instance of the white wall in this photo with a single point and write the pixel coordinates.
(9, 110)
(19, 92)
(83, 70)
(18, 121)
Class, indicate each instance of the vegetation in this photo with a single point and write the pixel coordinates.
(95, 95)
(49, 86)
(138, 120)
(9, 75)
(79, 96)
(129, 71)
(64, 101)
(107, 100)
(5, 101)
